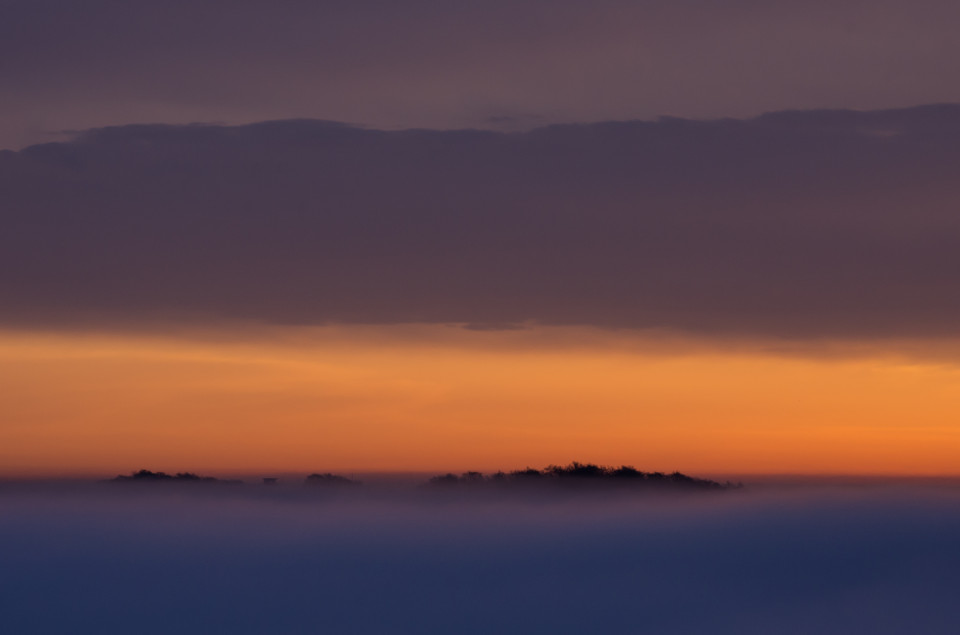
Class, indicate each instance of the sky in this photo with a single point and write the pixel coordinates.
(415, 236)
(476, 63)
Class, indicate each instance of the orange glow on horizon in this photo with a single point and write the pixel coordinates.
(378, 400)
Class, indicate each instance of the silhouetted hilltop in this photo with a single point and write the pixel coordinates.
(146, 476)
(572, 476)
(584, 474)
(328, 479)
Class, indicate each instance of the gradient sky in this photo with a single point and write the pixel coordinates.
(447, 236)
(68, 65)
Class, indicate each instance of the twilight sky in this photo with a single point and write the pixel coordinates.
(805, 224)
(474, 63)
(417, 235)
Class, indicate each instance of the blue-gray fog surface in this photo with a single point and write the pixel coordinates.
(110, 558)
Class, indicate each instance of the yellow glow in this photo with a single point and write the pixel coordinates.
(442, 398)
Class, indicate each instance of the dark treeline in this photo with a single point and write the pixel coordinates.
(146, 476)
(583, 474)
(575, 474)
(329, 479)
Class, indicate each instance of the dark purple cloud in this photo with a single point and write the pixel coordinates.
(825, 223)
(430, 63)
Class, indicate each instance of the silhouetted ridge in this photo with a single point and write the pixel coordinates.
(328, 479)
(576, 474)
(146, 476)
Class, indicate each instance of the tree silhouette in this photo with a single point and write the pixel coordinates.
(329, 479)
(585, 474)
(147, 476)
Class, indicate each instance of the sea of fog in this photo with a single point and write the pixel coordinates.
(105, 558)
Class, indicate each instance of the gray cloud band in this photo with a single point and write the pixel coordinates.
(496, 64)
(798, 224)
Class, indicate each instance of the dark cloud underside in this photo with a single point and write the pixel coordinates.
(820, 223)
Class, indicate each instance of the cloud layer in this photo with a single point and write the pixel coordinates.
(817, 223)
(455, 64)
(853, 562)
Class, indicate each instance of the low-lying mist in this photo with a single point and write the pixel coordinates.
(390, 557)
